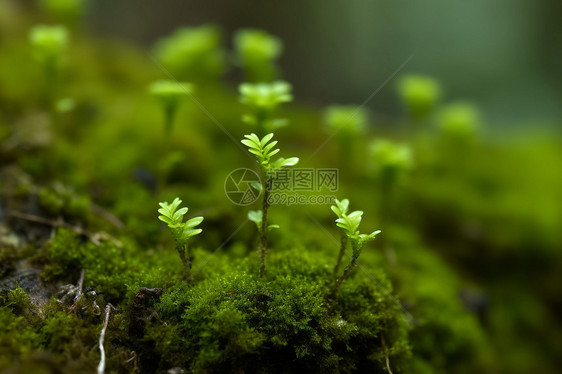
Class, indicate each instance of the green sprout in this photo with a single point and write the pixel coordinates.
(193, 53)
(49, 45)
(349, 225)
(347, 123)
(169, 93)
(391, 157)
(182, 231)
(459, 120)
(257, 51)
(420, 94)
(263, 149)
(263, 99)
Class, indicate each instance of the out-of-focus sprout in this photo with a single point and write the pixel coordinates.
(388, 155)
(346, 119)
(67, 11)
(459, 121)
(391, 161)
(257, 51)
(347, 123)
(263, 99)
(65, 105)
(193, 53)
(419, 93)
(49, 44)
(169, 93)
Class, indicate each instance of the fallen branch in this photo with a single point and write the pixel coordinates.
(94, 237)
(108, 216)
(79, 289)
(387, 359)
(72, 294)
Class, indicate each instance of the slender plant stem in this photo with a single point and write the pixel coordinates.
(343, 244)
(186, 260)
(264, 228)
(261, 118)
(189, 263)
(169, 114)
(345, 275)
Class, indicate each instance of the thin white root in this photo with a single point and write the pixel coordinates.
(387, 359)
(101, 365)
(388, 365)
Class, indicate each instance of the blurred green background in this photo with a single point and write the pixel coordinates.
(504, 55)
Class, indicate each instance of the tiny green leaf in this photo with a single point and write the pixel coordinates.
(256, 217)
(193, 222)
(340, 208)
(258, 186)
(283, 162)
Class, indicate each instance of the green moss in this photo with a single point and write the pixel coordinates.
(57, 331)
(278, 324)
(18, 301)
(8, 256)
(117, 269)
(17, 338)
(60, 199)
(446, 335)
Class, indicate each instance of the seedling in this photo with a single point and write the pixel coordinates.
(458, 124)
(459, 121)
(390, 157)
(49, 45)
(347, 123)
(391, 161)
(169, 93)
(182, 231)
(349, 225)
(257, 51)
(420, 94)
(263, 99)
(263, 149)
(193, 53)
